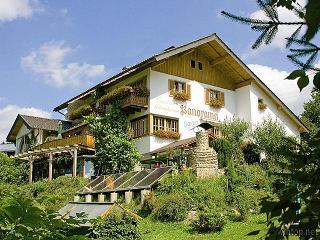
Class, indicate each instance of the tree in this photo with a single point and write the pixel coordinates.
(305, 52)
(115, 150)
(11, 170)
(311, 114)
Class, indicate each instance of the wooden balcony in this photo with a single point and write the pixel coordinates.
(134, 103)
(81, 140)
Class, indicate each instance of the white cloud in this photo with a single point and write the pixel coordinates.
(13, 9)
(286, 90)
(9, 113)
(48, 61)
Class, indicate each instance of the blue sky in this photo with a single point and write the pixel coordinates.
(53, 50)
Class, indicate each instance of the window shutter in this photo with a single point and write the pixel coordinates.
(221, 97)
(189, 90)
(206, 94)
(171, 87)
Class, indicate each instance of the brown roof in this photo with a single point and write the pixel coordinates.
(35, 123)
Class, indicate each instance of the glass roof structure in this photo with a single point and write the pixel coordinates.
(125, 181)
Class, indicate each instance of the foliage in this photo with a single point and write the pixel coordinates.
(149, 203)
(115, 151)
(251, 153)
(181, 96)
(209, 221)
(216, 103)
(82, 111)
(197, 193)
(235, 132)
(311, 113)
(305, 56)
(21, 219)
(170, 208)
(121, 92)
(224, 150)
(114, 226)
(12, 170)
(299, 200)
(166, 134)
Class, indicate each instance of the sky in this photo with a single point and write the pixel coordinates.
(52, 50)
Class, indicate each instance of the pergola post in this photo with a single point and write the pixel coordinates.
(75, 163)
(30, 169)
(50, 166)
(83, 168)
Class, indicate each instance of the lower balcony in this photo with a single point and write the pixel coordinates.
(85, 140)
(134, 103)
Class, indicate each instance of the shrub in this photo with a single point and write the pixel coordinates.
(171, 208)
(181, 96)
(251, 153)
(115, 226)
(149, 203)
(166, 134)
(11, 170)
(210, 221)
(224, 150)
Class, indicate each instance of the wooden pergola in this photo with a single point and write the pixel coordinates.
(34, 155)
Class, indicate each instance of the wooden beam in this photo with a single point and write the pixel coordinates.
(243, 83)
(50, 167)
(30, 169)
(219, 60)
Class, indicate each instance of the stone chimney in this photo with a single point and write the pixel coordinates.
(203, 158)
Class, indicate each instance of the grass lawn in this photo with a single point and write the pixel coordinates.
(151, 229)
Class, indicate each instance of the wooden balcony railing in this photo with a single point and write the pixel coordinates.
(83, 140)
(134, 101)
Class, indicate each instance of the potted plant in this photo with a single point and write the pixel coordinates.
(262, 105)
(181, 96)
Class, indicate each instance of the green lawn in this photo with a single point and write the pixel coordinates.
(151, 229)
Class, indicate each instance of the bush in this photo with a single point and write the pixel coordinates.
(115, 226)
(197, 193)
(171, 208)
(211, 221)
(224, 150)
(11, 170)
(251, 153)
(84, 110)
(148, 204)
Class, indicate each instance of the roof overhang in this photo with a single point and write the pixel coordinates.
(15, 128)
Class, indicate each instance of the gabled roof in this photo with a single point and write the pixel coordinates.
(34, 123)
(244, 72)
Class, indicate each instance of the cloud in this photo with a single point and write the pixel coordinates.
(13, 9)
(286, 90)
(9, 113)
(48, 62)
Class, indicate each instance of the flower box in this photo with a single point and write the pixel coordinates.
(181, 96)
(166, 134)
(216, 103)
(262, 106)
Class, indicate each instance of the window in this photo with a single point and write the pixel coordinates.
(212, 94)
(215, 131)
(193, 64)
(166, 124)
(179, 88)
(200, 65)
(139, 127)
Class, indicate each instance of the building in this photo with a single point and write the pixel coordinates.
(167, 96)
(170, 93)
(7, 148)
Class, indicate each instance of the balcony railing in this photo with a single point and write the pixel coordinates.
(83, 140)
(134, 102)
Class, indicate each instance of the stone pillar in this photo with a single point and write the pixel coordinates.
(88, 198)
(144, 192)
(50, 167)
(75, 163)
(128, 196)
(30, 169)
(76, 198)
(113, 197)
(101, 197)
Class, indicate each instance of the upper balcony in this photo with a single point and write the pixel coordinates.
(84, 140)
(134, 102)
